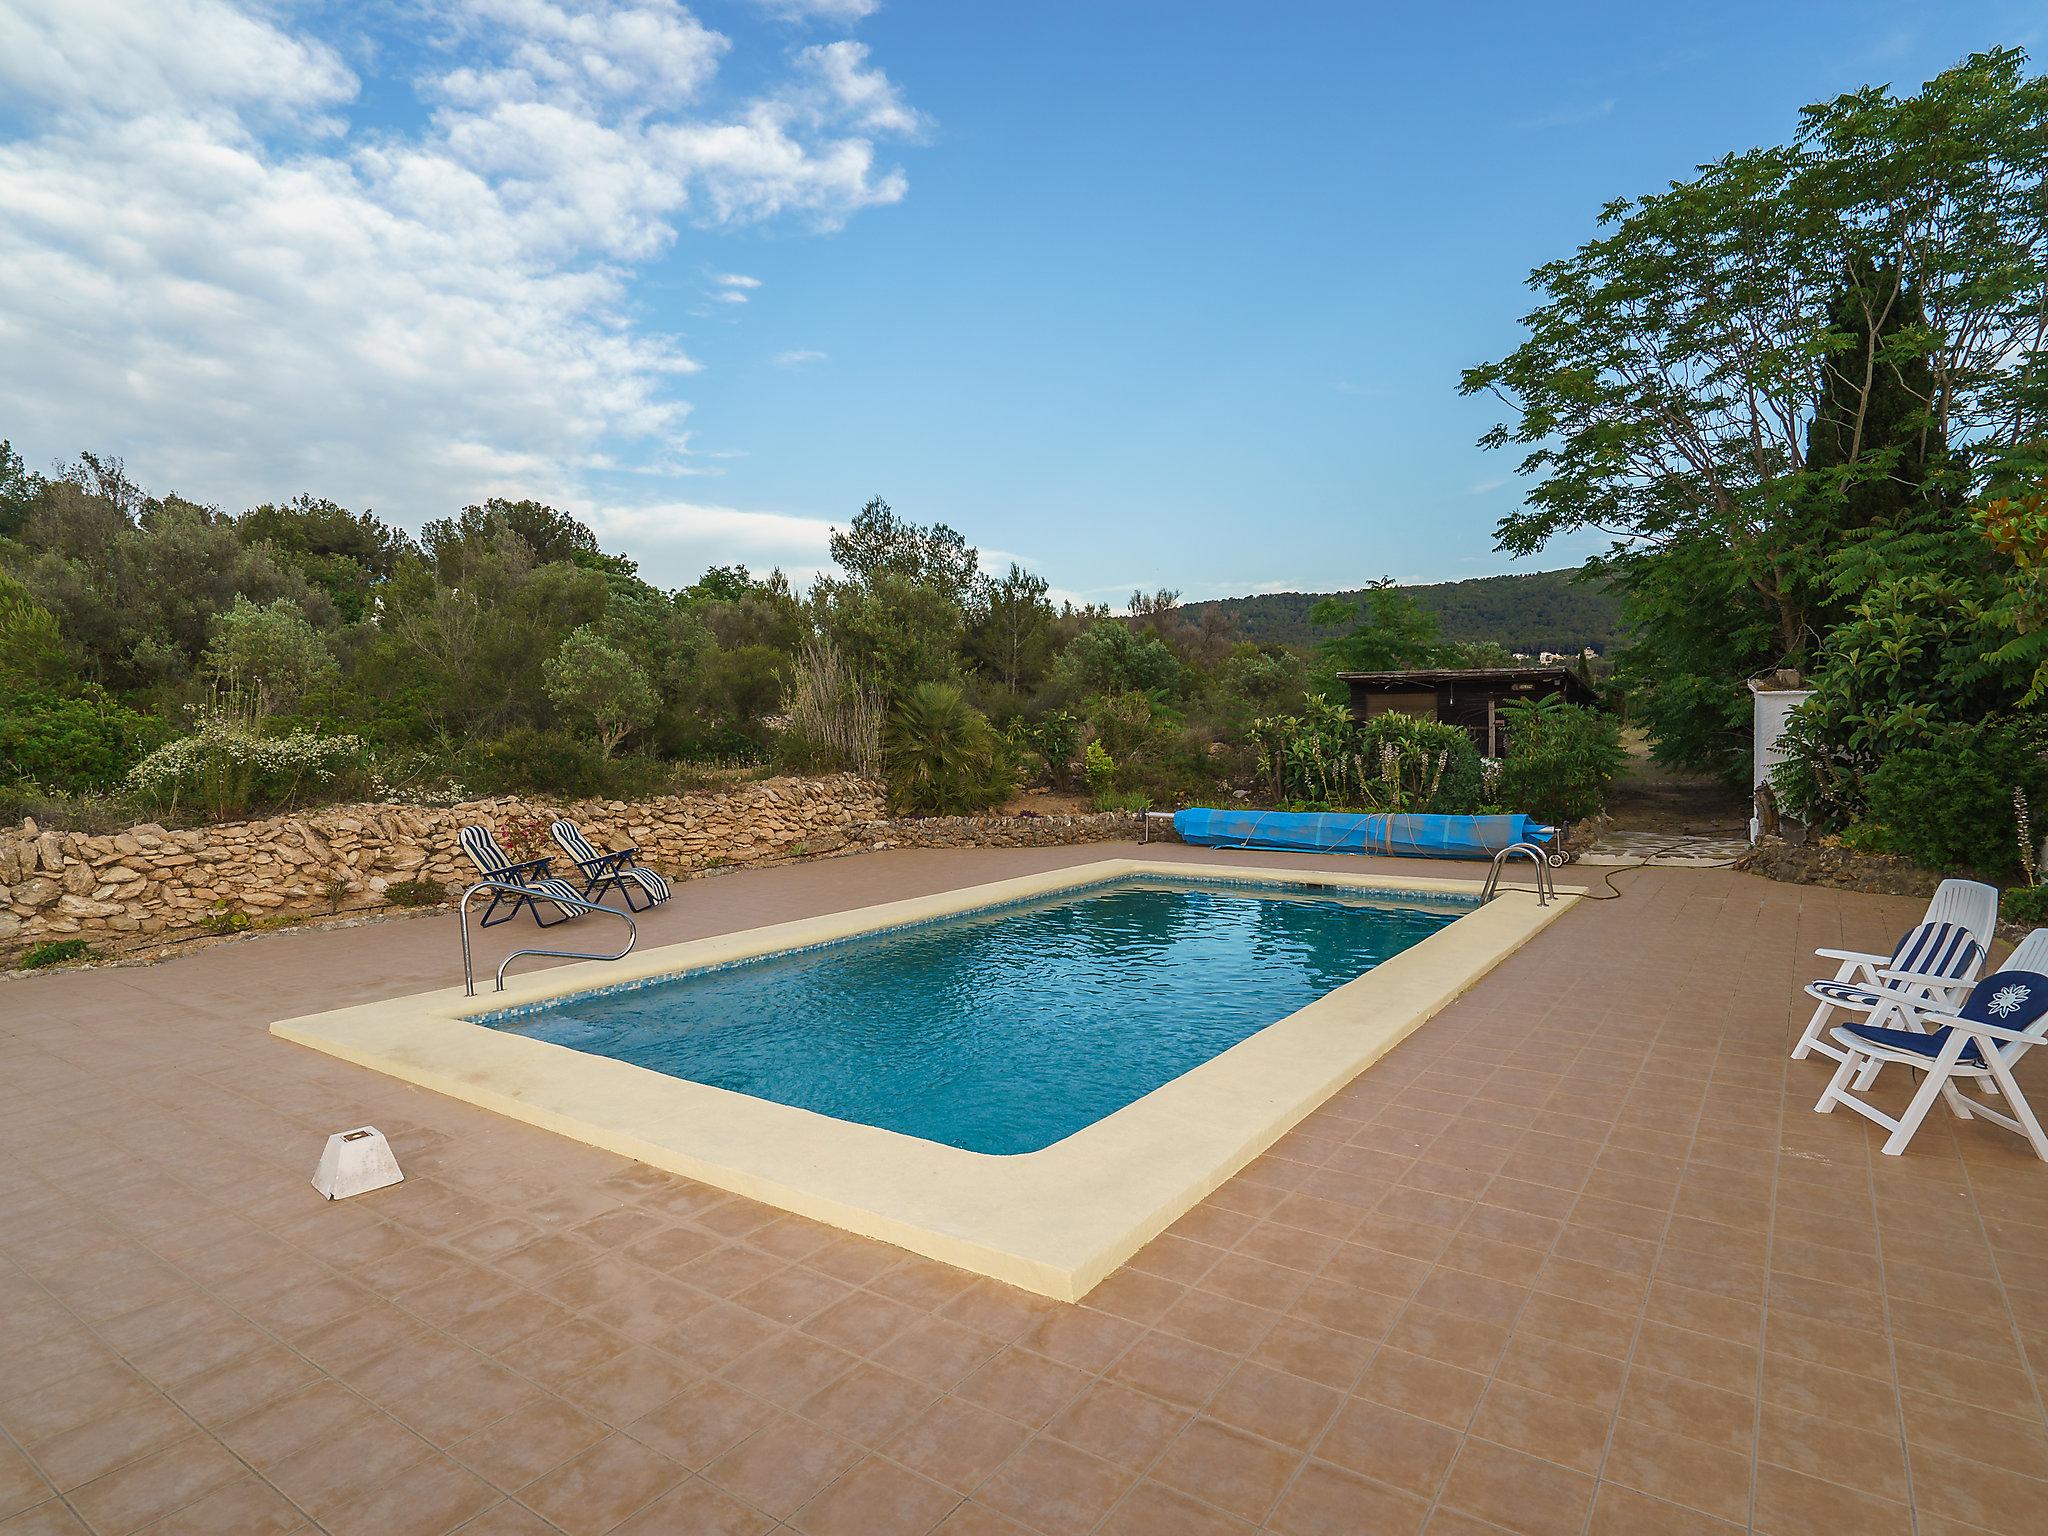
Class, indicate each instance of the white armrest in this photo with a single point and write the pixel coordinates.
(1852, 954)
(1924, 979)
(1987, 1031)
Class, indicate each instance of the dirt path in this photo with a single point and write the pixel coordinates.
(1651, 797)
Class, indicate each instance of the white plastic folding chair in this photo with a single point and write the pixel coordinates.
(1981, 1041)
(1932, 962)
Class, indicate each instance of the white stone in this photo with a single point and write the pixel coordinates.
(354, 1163)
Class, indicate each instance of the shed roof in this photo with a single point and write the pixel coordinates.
(1433, 676)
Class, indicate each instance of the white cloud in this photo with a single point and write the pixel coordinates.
(735, 280)
(676, 540)
(845, 11)
(866, 96)
(199, 57)
(797, 357)
(206, 265)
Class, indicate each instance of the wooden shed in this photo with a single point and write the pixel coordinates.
(1459, 697)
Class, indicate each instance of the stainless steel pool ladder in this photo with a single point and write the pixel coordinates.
(469, 970)
(1545, 887)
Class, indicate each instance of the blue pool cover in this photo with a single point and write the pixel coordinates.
(1431, 837)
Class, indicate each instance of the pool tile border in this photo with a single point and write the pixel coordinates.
(1056, 1221)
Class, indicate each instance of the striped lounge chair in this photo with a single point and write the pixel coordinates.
(618, 870)
(1978, 1041)
(1935, 963)
(535, 884)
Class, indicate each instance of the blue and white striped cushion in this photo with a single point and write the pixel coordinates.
(650, 882)
(573, 842)
(1938, 949)
(1843, 994)
(481, 844)
(560, 891)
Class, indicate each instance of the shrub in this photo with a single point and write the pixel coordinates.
(2025, 904)
(226, 769)
(1099, 769)
(273, 650)
(1561, 759)
(941, 755)
(528, 761)
(56, 952)
(1950, 805)
(835, 718)
(1055, 739)
(75, 744)
(1392, 762)
(416, 893)
(223, 919)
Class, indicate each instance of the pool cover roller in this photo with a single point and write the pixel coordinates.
(1428, 837)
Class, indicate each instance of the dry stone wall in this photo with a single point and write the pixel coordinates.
(147, 885)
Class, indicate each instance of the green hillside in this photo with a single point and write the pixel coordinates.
(1532, 612)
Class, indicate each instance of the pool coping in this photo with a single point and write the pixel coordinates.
(1056, 1221)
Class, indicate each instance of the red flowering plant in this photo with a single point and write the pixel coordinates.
(524, 837)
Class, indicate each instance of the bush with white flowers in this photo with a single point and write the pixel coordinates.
(225, 768)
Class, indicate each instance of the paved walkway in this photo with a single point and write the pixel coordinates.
(1576, 1258)
(1666, 850)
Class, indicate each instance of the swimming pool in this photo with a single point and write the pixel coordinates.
(1000, 1031)
(1054, 1221)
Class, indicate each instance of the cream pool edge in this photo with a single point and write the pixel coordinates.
(1056, 1221)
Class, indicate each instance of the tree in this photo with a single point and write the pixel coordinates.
(595, 682)
(32, 653)
(270, 649)
(1110, 657)
(18, 487)
(1799, 336)
(1010, 628)
(1387, 630)
(721, 584)
(880, 543)
(547, 537)
(345, 554)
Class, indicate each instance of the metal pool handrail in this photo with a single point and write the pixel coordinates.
(1545, 887)
(469, 970)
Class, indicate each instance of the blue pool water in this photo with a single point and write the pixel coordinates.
(1004, 1030)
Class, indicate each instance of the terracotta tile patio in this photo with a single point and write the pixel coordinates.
(1577, 1258)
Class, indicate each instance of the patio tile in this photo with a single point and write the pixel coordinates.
(597, 1489)
(780, 1467)
(701, 1423)
(1390, 1447)
(698, 1508)
(876, 1498)
(1474, 1237)
(1119, 1425)
(1054, 1489)
(955, 1443)
(527, 1443)
(1327, 1501)
(1153, 1510)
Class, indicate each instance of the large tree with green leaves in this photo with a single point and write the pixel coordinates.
(1768, 373)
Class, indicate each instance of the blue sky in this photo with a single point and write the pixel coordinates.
(1160, 294)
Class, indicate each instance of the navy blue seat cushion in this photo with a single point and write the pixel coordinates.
(2015, 1000)
(1906, 1041)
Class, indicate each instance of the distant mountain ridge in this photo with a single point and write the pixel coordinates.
(1530, 612)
